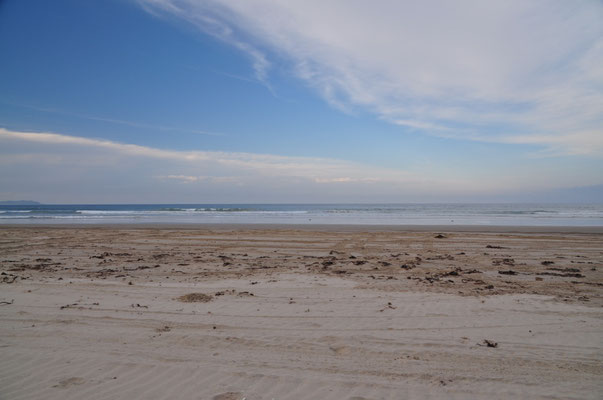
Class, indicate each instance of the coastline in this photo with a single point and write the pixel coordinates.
(315, 227)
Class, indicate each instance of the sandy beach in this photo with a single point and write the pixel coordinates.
(261, 313)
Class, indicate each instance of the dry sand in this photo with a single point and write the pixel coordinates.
(233, 313)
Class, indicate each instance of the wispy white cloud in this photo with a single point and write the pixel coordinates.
(213, 25)
(248, 164)
(184, 178)
(63, 168)
(116, 121)
(347, 179)
(573, 143)
(202, 178)
(507, 71)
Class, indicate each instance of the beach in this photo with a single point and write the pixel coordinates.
(292, 312)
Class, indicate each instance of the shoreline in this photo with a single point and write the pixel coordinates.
(317, 227)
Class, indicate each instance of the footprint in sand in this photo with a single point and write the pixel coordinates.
(340, 350)
(70, 382)
(229, 396)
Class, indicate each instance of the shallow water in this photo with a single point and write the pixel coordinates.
(353, 214)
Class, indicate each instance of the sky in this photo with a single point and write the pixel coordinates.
(269, 101)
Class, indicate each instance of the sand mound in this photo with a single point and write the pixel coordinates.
(195, 298)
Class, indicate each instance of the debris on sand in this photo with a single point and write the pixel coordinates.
(505, 261)
(454, 272)
(231, 292)
(490, 343)
(163, 329)
(565, 275)
(102, 256)
(440, 236)
(8, 278)
(565, 269)
(327, 263)
(389, 305)
(195, 298)
(508, 272)
(472, 271)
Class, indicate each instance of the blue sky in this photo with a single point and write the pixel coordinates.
(267, 101)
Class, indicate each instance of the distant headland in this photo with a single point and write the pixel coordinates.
(19, 203)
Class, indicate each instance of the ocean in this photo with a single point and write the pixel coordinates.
(308, 214)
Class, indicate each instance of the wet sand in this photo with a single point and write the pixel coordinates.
(283, 312)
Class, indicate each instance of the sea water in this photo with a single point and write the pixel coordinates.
(347, 214)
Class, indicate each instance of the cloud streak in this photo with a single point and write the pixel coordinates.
(248, 164)
(510, 72)
(213, 25)
(116, 121)
(61, 168)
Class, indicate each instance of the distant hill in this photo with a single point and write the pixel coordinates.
(19, 203)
